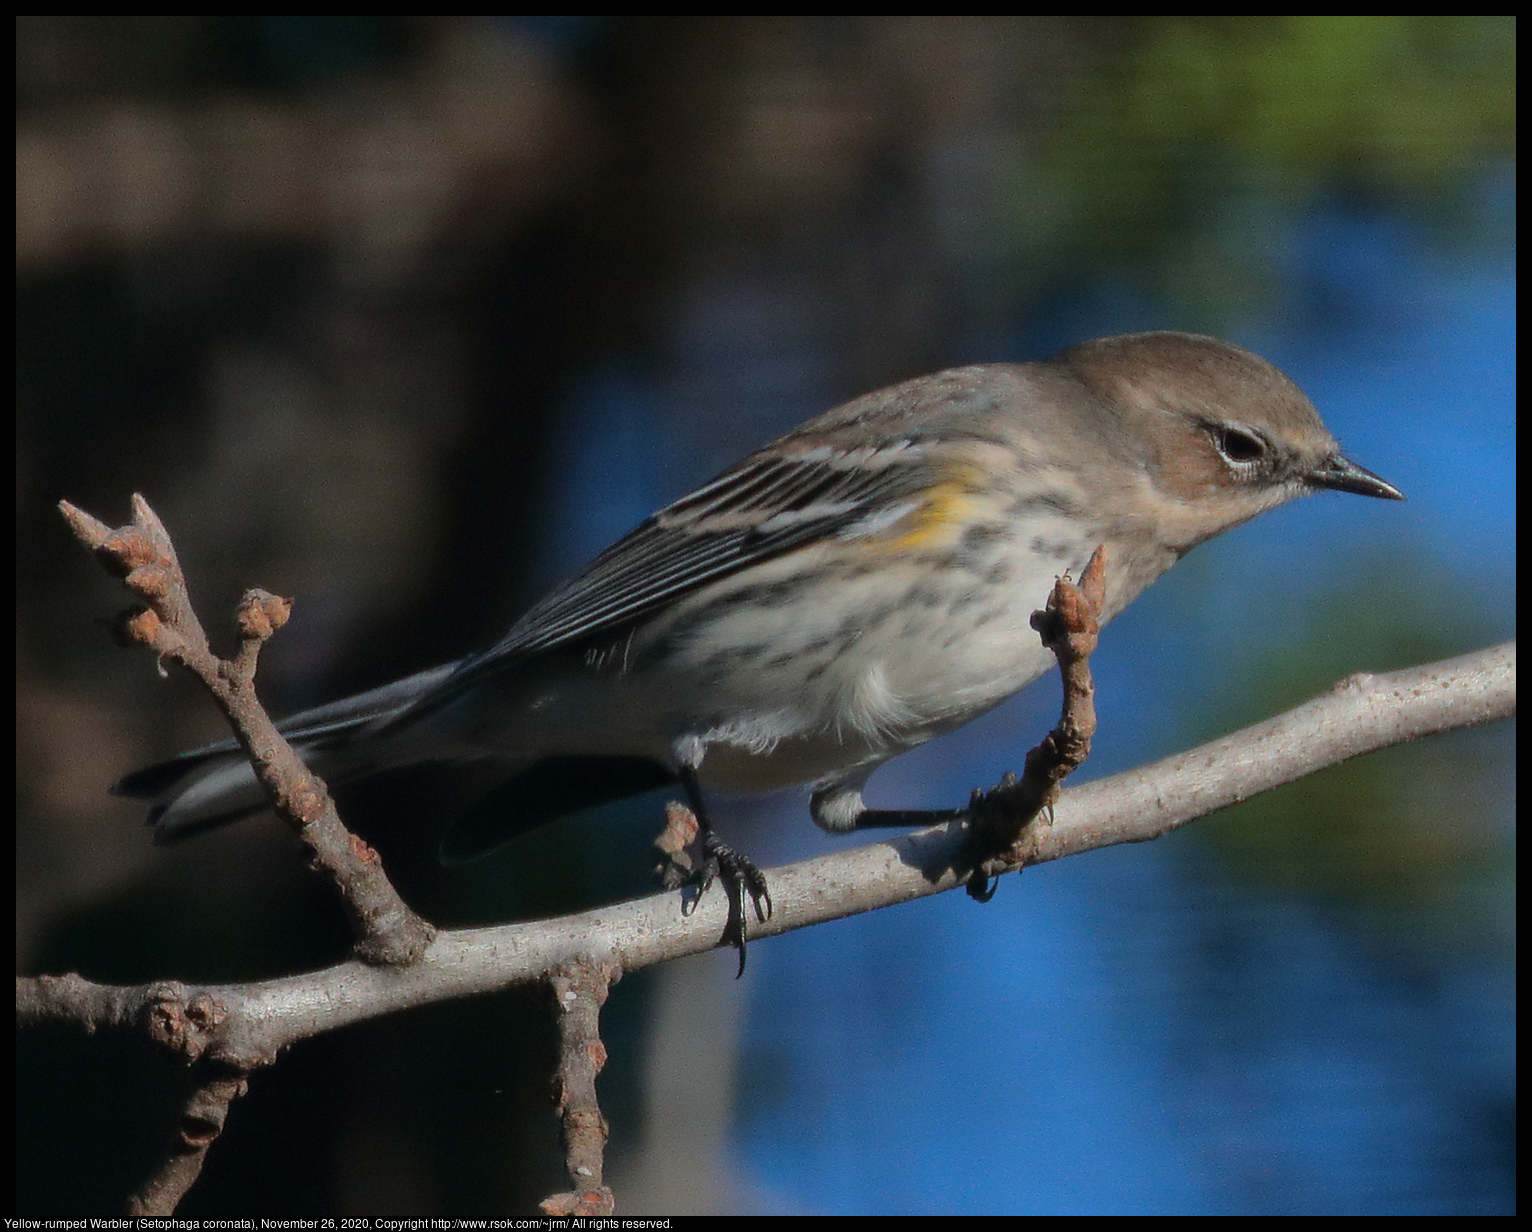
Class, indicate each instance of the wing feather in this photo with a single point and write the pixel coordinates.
(716, 530)
(770, 504)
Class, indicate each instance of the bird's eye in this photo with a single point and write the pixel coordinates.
(1239, 448)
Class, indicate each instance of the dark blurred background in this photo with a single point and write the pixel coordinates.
(406, 317)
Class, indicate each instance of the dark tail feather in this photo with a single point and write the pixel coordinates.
(214, 785)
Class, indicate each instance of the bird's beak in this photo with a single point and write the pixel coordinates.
(1344, 475)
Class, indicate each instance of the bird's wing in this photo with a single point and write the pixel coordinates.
(766, 506)
(772, 502)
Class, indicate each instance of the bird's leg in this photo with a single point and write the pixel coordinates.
(735, 869)
(978, 847)
(887, 819)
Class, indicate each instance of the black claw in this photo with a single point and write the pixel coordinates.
(740, 869)
(739, 875)
(982, 887)
(735, 869)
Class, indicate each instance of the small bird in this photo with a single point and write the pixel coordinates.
(836, 598)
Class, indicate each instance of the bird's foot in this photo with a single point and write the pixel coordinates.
(693, 855)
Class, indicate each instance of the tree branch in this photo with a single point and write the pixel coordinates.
(1361, 714)
(579, 991)
(142, 556)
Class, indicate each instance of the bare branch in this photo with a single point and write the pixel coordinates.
(1070, 627)
(196, 1129)
(579, 991)
(1359, 715)
(143, 557)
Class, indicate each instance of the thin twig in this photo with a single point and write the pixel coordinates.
(1070, 628)
(142, 556)
(197, 1127)
(579, 991)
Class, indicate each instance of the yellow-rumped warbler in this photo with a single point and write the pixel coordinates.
(849, 591)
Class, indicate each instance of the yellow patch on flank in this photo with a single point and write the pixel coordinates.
(943, 514)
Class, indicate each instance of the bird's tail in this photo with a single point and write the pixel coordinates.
(213, 785)
(353, 738)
